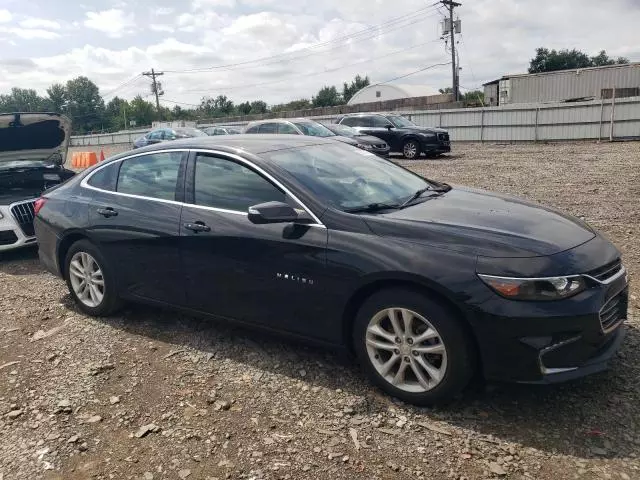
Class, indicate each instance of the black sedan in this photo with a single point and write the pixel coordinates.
(426, 283)
(366, 142)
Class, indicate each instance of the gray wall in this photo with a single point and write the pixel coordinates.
(557, 87)
(511, 123)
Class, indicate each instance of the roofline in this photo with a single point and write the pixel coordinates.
(557, 72)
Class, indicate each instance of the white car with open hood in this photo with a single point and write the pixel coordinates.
(33, 148)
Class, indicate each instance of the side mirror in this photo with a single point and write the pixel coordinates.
(389, 127)
(272, 212)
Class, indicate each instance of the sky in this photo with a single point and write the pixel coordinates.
(278, 51)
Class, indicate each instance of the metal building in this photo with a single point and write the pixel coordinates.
(389, 91)
(591, 83)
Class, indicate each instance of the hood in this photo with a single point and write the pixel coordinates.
(340, 138)
(33, 136)
(423, 129)
(369, 140)
(484, 223)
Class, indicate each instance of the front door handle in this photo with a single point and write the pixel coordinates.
(107, 212)
(197, 227)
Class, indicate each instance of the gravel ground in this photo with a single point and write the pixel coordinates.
(151, 394)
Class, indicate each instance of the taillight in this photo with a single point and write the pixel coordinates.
(38, 204)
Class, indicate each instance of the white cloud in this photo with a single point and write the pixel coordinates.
(30, 33)
(5, 16)
(33, 22)
(163, 11)
(198, 4)
(114, 22)
(161, 28)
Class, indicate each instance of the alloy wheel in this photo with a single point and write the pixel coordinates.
(86, 279)
(406, 350)
(410, 150)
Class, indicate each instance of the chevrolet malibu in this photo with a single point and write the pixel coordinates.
(427, 283)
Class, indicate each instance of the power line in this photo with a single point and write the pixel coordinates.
(239, 87)
(310, 54)
(123, 84)
(317, 45)
(155, 86)
(454, 70)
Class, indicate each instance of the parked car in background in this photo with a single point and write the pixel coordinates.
(366, 142)
(211, 131)
(296, 126)
(33, 148)
(166, 134)
(401, 134)
(427, 283)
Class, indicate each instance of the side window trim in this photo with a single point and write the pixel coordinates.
(84, 183)
(190, 176)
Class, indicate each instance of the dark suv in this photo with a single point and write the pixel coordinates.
(401, 134)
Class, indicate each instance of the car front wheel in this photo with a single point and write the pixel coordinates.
(411, 149)
(89, 280)
(413, 347)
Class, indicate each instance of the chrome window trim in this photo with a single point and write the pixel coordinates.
(85, 182)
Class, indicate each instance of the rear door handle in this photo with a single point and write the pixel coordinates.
(107, 212)
(197, 227)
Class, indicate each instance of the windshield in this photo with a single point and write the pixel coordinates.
(348, 178)
(314, 129)
(343, 130)
(190, 132)
(401, 122)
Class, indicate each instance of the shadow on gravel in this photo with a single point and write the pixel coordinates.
(23, 261)
(584, 418)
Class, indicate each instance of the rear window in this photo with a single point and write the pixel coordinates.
(154, 175)
(105, 178)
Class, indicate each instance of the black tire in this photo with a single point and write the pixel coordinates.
(459, 346)
(411, 149)
(110, 302)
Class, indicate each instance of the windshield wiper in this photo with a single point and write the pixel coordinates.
(373, 207)
(414, 196)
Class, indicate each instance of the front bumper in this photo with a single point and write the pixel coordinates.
(11, 234)
(549, 342)
(440, 147)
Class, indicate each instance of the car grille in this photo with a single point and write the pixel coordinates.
(614, 311)
(443, 137)
(8, 238)
(606, 271)
(24, 214)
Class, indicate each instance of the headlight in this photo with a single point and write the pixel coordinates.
(552, 288)
(364, 146)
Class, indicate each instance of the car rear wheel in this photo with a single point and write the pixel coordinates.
(89, 280)
(411, 149)
(413, 347)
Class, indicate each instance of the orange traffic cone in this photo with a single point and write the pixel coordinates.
(101, 155)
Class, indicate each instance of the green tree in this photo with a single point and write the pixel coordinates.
(474, 97)
(244, 108)
(445, 90)
(258, 107)
(222, 105)
(57, 98)
(141, 111)
(547, 60)
(301, 104)
(326, 97)
(84, 104)
(350, 89)
(115, 113)
(22, 100)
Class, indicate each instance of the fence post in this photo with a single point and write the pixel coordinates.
(440, 117)
(482, 127)
(535, 132)
(613, 111)
(600, 124)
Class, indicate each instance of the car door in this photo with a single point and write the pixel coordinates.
(379, 127)
(264, 274)
(134, 218)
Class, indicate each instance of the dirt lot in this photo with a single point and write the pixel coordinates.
(157, 395)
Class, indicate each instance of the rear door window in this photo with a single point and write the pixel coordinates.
(357, 122)
(154, 175)
(269, 128)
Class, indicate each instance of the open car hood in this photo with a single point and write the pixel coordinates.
(33, 136)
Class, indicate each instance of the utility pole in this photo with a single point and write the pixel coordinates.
(155, 86)
(452, 27)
